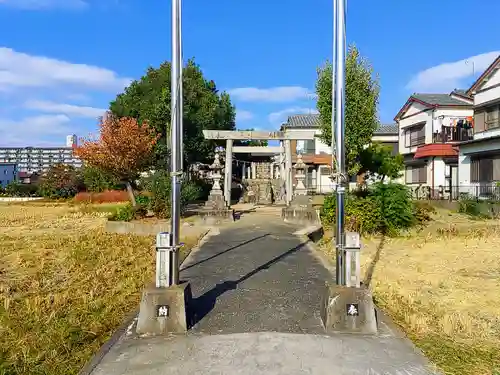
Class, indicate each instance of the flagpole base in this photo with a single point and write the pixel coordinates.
(349, 310)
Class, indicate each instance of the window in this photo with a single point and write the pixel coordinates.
(325, 171)
(306, 146)
(492, 117)
(416, 174)
(485, 169)
(415, 136)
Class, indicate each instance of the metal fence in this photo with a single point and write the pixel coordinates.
(453, 193)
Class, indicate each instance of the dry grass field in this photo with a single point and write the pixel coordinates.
(442, 286)
(65, 284)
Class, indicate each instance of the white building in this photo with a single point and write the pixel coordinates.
(479, 158)
(38, 159)
(430, 127)
(318, 156)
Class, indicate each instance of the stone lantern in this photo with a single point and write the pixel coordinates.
(300, 175)
(216, 198)
(215, 210)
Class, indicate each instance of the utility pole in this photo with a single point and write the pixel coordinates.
(338, 127)
(176, 135)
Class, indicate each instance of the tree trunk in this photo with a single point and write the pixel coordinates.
(131, 195)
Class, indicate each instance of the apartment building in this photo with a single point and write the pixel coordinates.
(39, 159)
(318, 156)
(479, 157)
(430, 128)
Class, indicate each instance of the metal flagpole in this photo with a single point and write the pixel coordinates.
(339, 138)
(338, 263)
(176, 138)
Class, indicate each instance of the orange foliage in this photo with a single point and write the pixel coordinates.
(124, 147)
(108, 196)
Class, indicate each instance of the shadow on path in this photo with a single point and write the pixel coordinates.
(224, 252)
(371, 269)
(205, 303)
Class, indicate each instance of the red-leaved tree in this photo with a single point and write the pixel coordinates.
(124, 149)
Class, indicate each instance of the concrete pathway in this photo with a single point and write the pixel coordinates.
(257, 290)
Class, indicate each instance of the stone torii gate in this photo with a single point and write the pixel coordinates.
(284, 150)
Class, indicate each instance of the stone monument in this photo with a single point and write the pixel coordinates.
(300, 210)
(300, 175)
(216, 210)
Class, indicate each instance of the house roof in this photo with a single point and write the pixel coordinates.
(483, 77)
(461, 92)
(307, 121)
(303, 121)
(433, 101)
(387, 129)
(439, 99)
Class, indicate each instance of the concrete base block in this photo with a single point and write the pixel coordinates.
(349, 310)
(300, 215)
(164, 310)
(216, 216)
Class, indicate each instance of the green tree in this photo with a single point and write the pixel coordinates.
(61, 181)
(377, 161)
(361, 100)
(97, 180)
(204, 107)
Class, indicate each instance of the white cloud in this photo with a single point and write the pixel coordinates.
(44, 4)
(67, 109)
(277, 118)
(30, 130)
(448, 76)
(273, 94)
(243, 115)
(19, 69)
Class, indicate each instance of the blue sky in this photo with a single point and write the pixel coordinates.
(62, 61)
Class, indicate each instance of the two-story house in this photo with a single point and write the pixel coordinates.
(430, 128)
(318, 156)
(479, 159)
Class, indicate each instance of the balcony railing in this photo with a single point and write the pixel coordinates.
(456, 134)
(492, 124)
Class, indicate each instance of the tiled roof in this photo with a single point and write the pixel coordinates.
(461, 92)
(387, 129)
(439, 99)
(313, 121)
(303, 121)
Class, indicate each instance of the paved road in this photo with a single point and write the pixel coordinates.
(255, 278)
(257, 291)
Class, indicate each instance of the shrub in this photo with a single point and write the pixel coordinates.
(18, 189)
(61, 181)
(361, 214)
(423, 212)
(128, 213)
(96, 180)
(328, 210)
(395, 203)
(109, 196)
(143, 200)
(384, 208)
(479, 209)
(159, 185)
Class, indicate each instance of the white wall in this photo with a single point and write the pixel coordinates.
(424, 117)
(438, 170)
(489, 95)
(432, 123)
(464, 160)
